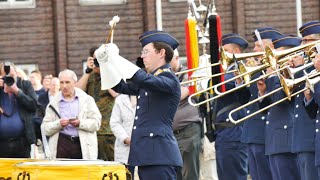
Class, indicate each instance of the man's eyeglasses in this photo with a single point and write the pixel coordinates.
(144, 52)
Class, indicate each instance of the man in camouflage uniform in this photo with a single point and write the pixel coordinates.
(91, 83)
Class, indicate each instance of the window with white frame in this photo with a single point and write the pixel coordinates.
(101, 2)
(27, 68)
(177, 0)
(16, 4)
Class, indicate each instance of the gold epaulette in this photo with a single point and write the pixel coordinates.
(159, 71)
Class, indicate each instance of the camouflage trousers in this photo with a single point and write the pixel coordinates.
(106, 147)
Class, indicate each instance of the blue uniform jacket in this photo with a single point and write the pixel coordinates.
(303, 125)
(158, 95)
(278, 127)
(313, 111)
(254, 127)
(240, 96)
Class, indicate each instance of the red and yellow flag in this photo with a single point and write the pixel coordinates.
(192, 49)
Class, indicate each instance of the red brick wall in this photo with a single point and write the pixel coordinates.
(26, 36)
(278, 14)
(89, 25)
(58, 34)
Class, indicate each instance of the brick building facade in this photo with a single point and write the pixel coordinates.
(56, 34)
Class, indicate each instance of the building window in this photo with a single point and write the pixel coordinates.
(177, 0)
(26, 68)
(101, 2)
(17, 4)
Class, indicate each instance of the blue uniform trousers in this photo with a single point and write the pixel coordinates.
(258, 162)
(157, 172)
(284, 167)
(231, 160)
(306, 165)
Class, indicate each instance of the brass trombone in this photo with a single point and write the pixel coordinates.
(231, 90)
(277, 55)
(311, 82)
(206, 77)
(225, 60)
(288, 85)
(195, 69)
(272, 59)
(293, 71)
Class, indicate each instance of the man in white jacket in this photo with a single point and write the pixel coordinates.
(71, 121)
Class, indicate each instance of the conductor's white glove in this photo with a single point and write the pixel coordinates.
(105, 51)
(113, 67)
(101, 54)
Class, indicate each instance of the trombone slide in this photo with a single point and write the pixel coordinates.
(263, 109)
(287, 86)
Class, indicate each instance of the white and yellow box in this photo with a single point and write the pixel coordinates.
(69, 170)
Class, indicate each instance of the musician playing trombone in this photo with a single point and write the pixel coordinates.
(303, 144)
(311, 32)
(253, 129)
(279, 125)
(231, 154)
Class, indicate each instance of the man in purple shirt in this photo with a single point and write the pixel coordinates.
(71, 121)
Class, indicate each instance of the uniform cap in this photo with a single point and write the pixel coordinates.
(158, 36)
(287, 40)
(234, 39)
(312, 27)
(267, 33)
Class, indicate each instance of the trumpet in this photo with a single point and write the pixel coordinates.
(288, 85)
